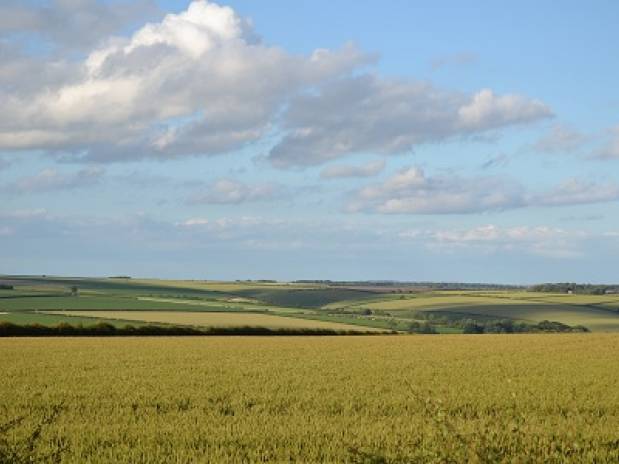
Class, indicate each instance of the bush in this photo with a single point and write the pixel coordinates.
(421, 328)
(470, 326)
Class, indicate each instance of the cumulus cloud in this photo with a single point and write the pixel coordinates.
(200, 83)
(560, 139)
(52, 180)
(412, 191)
(229, 191)
(371, 168)
(488, 111)
(370, 114)
(196, 82)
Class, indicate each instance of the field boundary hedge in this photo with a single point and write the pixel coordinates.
(8, 329)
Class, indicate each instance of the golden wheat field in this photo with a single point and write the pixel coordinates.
(387, 399)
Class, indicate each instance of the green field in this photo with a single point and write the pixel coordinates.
(378, 307)
(86, 302)
(23, 318)
(214, 319)
(379, 399)
(305, 298)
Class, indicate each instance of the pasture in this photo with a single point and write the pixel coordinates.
(388, 399)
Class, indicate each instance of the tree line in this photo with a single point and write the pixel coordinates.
(572, 287)
(8, 329)
(498, 326)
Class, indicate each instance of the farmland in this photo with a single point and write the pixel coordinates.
(385, 398)
(454, 398)
(213, 319)
(47, 300)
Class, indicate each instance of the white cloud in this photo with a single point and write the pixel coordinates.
(59, 22)
(487, 111)
(371, 168)
(370, 114)
(25, 214)
(455, 59)
(186, 85)
(200, 83)
(610, 150)
(51, 179)
(229, 191)
(194, 222)
(62, 241)
(576, 191)
(560, 139)
(411, 191)
(537, 240)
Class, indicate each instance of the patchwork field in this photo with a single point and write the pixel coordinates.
(387, 399)
(213, 319)
(599, 320)
(399, 307)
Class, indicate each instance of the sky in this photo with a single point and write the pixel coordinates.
(348, 140)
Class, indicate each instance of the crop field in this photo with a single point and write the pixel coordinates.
(213, 319)
(395, 308)
(453, 398)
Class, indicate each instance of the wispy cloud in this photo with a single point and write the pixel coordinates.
(229, 191)
(537, 240)
(53, 180)
(560, 139)
(499, 160)
(610, 148)
(371, 168)
(454, 59)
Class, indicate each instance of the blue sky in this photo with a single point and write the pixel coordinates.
(332, 140)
